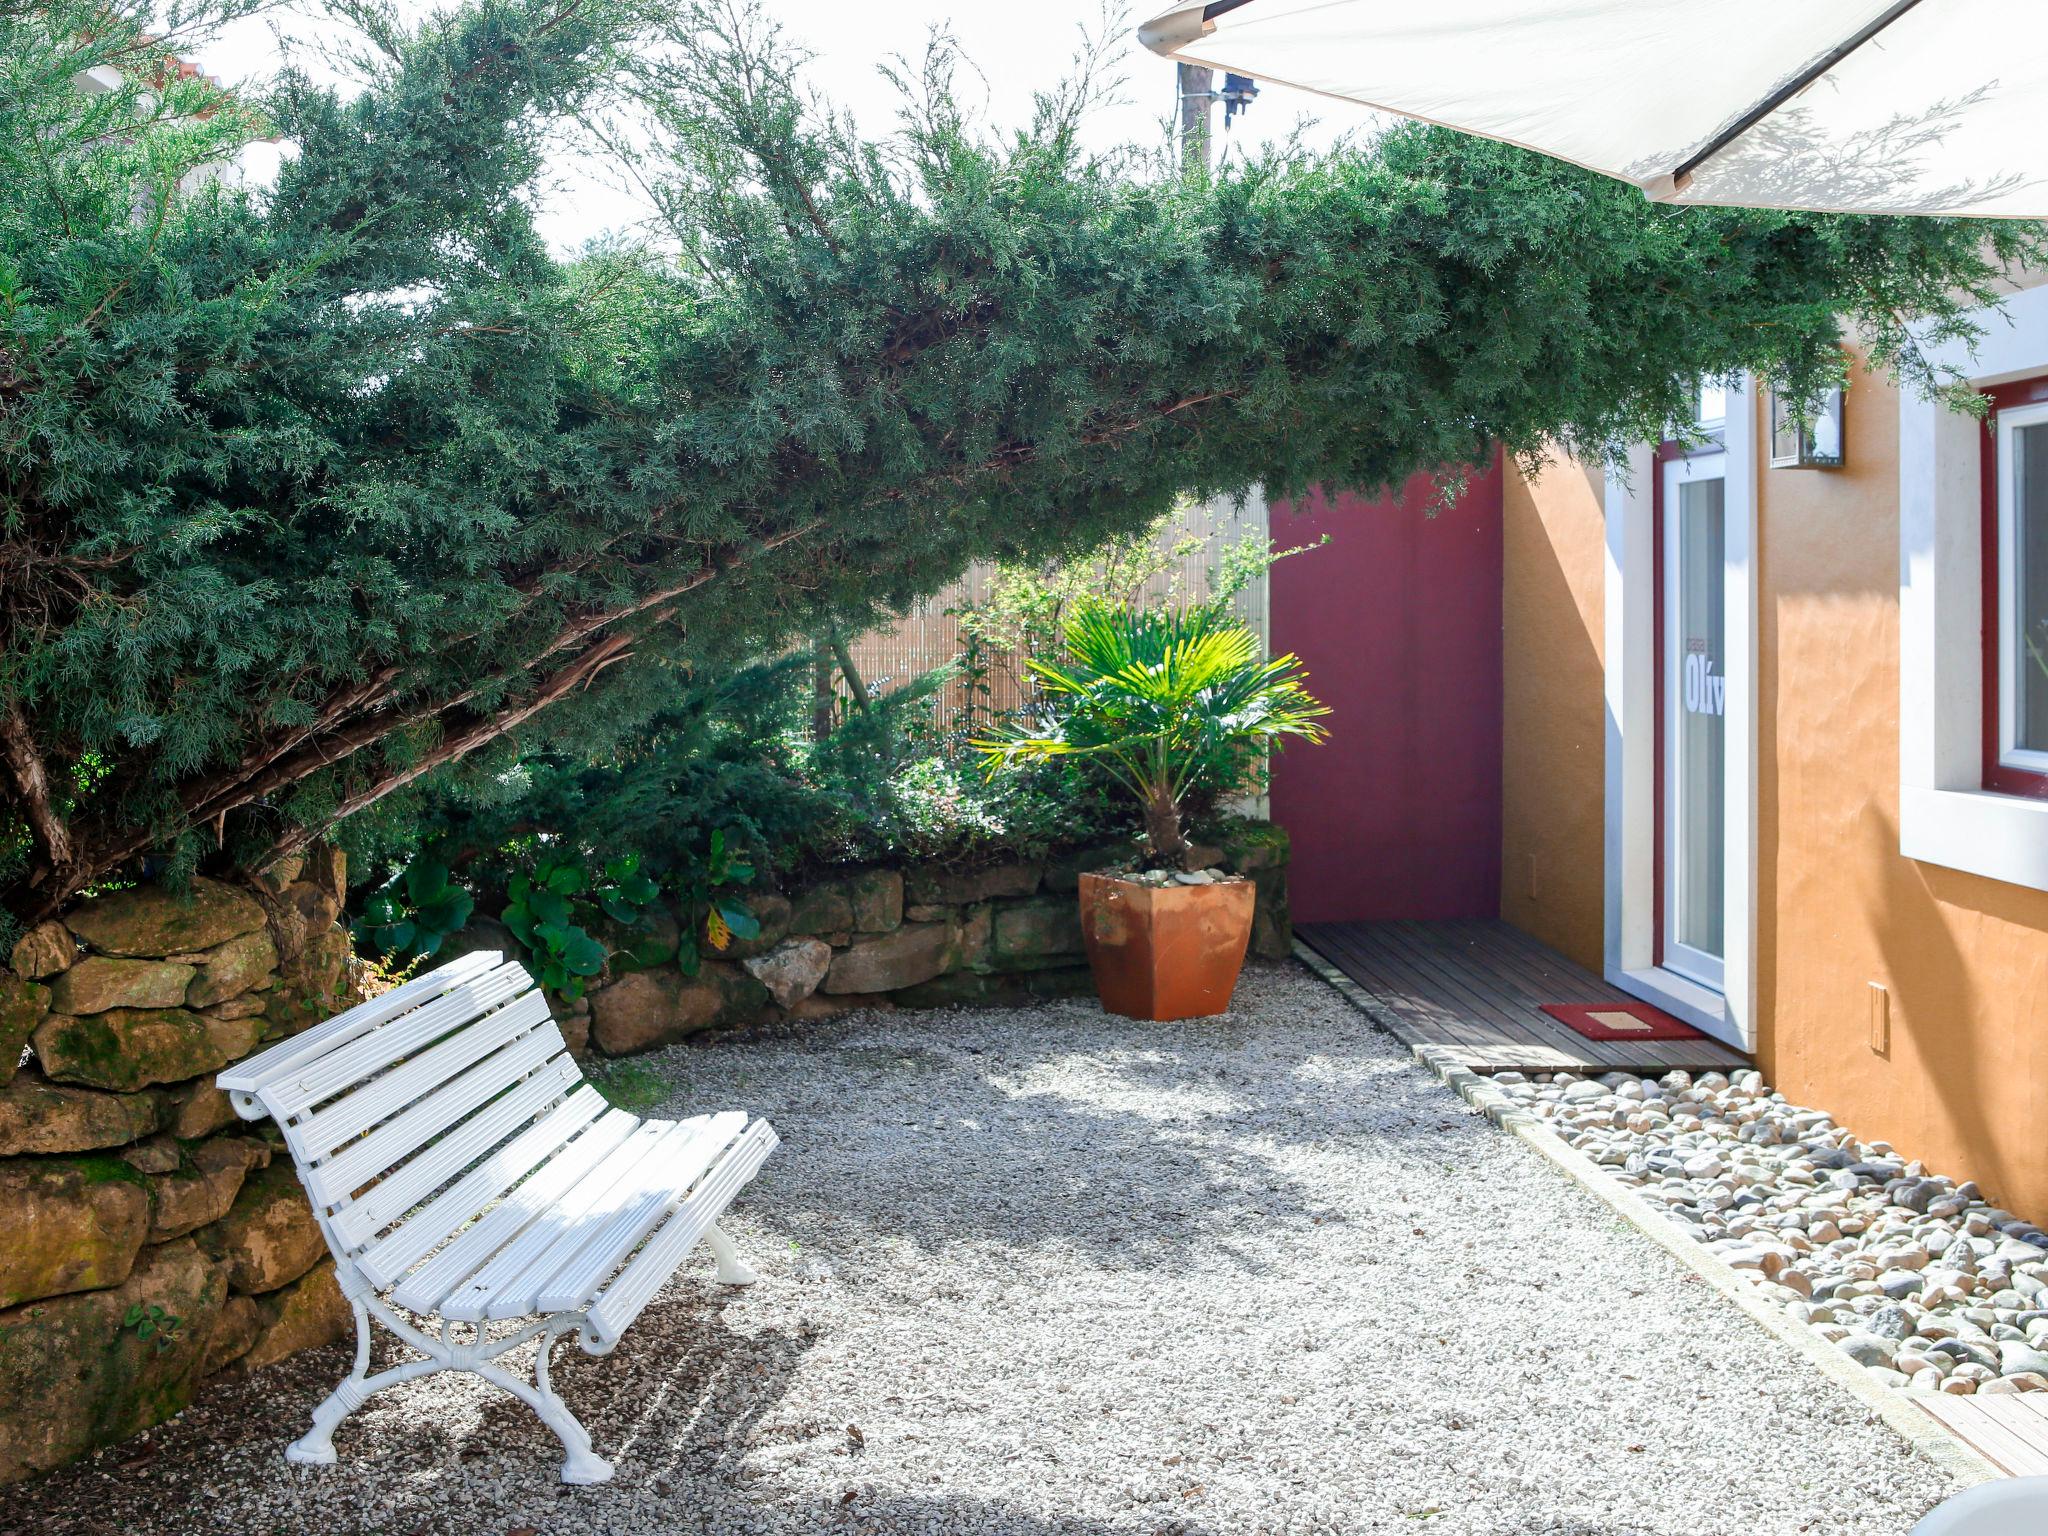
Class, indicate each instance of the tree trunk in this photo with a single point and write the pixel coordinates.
(851, 673)
(822, 697)
(1162, 829)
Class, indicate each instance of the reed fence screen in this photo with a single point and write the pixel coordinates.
(931, 634)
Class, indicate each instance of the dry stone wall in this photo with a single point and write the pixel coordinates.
(922, 937)
(149, 1239)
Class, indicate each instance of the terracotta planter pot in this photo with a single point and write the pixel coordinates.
(1165, 952)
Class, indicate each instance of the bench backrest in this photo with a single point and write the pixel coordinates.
(413, 1112)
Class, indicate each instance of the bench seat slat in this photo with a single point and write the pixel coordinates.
(477, 1192)
(375, 1101)
(662, 1184)
(428, 1286)
(357, 1164)
(391, 1197)
(576, 1214)
(289, 1098)
(253, 1074)
(613, 1311)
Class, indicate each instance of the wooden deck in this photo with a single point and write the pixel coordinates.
(1475, 990)
(2010, 1431)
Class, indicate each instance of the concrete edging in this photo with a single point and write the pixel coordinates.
(1918, 1428)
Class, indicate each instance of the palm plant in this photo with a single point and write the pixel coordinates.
(1165, 699)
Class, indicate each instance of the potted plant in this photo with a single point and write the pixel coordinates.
(1171, 702)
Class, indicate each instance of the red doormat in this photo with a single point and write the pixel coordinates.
(1621, 1021)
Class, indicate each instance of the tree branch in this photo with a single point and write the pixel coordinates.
(32, 781)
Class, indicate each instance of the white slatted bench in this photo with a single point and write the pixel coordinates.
(464, 1172)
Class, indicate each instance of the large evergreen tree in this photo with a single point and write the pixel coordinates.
(305, 494)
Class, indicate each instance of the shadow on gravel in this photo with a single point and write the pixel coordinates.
(1131, 1143)
(964, 1515)
(676, 1404)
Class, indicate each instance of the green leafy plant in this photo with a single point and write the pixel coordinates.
(152, 1322)
(715, 912)
(544, 916)
(626, 894)
(415, 913)
(1163, 699)
(632, 900)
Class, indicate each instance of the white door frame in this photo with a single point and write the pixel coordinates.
(1632, 941)
(1708, 970)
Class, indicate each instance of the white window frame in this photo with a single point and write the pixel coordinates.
(2010, 541)
(1946, 816)
(1631, 940)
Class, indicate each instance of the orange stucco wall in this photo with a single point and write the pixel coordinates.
(1553, 707)
(1964, 1081)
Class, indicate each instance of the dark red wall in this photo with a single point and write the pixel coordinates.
(1398, 618)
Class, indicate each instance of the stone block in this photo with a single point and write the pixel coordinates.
(39, 1117)
(649, 1009)
(1272, 924)
(309, 1312)
(234, 1330)
(23, 1005)
(792, 970)
(1037, 929)
(231, 969)
(150, 921)
(76, 1374)
(43, 951)
(977, 938)
(203, 1186)
(268, 1238)
(877, 898)
(913, 953)
(127, 1048)
(635, 1013)
(936, 885)
(197, 1108)
(100, 982)
(68, 1224)
(824, 909)
(247, 1006)
(1253, 845)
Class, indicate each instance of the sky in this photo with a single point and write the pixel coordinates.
(1016, 49)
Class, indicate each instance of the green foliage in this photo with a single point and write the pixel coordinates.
(544, 915)
(714, 911)
(626, 895)
(415, 913)
(1165, 699)
(1023, 615)
(152, 1322)
(309, 495)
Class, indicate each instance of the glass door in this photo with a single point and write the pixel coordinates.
(1695, 687)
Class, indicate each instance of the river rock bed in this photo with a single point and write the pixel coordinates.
(1915, 1277)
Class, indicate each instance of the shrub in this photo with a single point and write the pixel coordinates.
(1173, 703)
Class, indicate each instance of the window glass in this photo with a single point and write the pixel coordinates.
(2029, 641)
(1701, 717)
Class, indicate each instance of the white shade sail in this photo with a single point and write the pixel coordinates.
(1866, 106)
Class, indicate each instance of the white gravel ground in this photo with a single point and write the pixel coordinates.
(1040, 1272)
